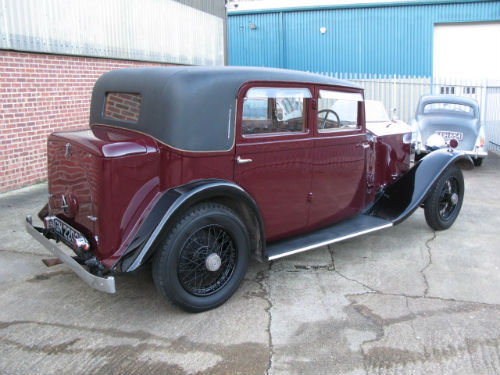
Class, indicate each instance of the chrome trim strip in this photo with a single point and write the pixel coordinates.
(328, 242)
(102, 284)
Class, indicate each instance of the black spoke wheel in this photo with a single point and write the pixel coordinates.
(203, 258)
(207, 261)
(444, 202)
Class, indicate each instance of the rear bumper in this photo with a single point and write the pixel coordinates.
(102, 284)
(475, 154)
(420, 149)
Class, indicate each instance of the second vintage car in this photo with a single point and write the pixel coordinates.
(198, 169)
(440, 118)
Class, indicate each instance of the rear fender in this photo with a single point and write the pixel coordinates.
(401, 198)
(177, 200)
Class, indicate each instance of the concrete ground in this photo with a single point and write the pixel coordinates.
(404, 300)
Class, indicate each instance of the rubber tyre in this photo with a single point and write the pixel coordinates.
(478, 162)
(433, 216)
(166, 258)
(418, 157)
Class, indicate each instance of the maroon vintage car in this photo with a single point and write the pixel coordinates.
(198, 169)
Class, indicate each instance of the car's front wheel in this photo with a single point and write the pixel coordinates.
(203, 259)
(444, 202)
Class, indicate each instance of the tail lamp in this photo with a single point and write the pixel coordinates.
(81, 243)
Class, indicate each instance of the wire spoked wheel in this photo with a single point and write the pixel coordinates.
(203, 258)
(207, 261)
(444, 202)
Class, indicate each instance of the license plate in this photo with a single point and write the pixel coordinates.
(447, 135)
(65, 231)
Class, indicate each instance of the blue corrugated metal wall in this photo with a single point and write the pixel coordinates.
(372, 39)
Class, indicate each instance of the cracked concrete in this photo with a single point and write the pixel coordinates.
(422, 271)
(261, 278)
(404, 300)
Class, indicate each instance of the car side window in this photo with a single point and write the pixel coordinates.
(274, 110)
(338, 111)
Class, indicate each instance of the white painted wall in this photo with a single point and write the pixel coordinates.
(467, 51)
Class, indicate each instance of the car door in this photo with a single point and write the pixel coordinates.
(273, 153)
(338, 156)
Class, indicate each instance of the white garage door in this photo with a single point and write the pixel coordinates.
(467, 50)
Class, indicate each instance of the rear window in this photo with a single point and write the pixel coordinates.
(122, 106)
(438, 107)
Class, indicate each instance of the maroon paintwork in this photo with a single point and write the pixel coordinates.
(112, 177)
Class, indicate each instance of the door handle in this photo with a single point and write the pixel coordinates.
(239, 160)
(365, 145)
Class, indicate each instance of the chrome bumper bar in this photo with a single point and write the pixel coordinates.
(102, 284)
(477, 154)
(420, 149)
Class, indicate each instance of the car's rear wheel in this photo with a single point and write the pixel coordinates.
(444, 202)
(478, 162)
(203, 259)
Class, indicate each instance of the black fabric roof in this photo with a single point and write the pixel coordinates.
(189, 108)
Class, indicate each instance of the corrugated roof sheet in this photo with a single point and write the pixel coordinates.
(395, 38)
(149, 30)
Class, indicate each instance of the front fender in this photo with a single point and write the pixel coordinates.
(173, 201)
(401, 198)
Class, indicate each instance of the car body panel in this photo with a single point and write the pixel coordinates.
(467, 127)
(279, 173)
(390, 146)
(174, 201)
(106, 192)
(448, 116)
(407, 193)
(126, 182)
(338, 177)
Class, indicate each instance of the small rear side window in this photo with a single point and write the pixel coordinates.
(123, 106)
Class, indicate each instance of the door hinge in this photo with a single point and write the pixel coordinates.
(309, 197)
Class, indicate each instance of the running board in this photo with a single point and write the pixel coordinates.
(353, 227)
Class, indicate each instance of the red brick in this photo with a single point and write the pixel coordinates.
(40, 94)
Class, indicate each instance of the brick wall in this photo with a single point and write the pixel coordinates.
(40, 94)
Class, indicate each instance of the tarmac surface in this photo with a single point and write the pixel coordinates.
(399, 301)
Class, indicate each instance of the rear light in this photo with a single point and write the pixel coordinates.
(48, 222)
(81, 243)
(482, 141)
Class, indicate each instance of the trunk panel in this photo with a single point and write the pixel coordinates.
(100, 182)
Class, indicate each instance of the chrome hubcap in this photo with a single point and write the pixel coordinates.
(213, 262)
(454, 199)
